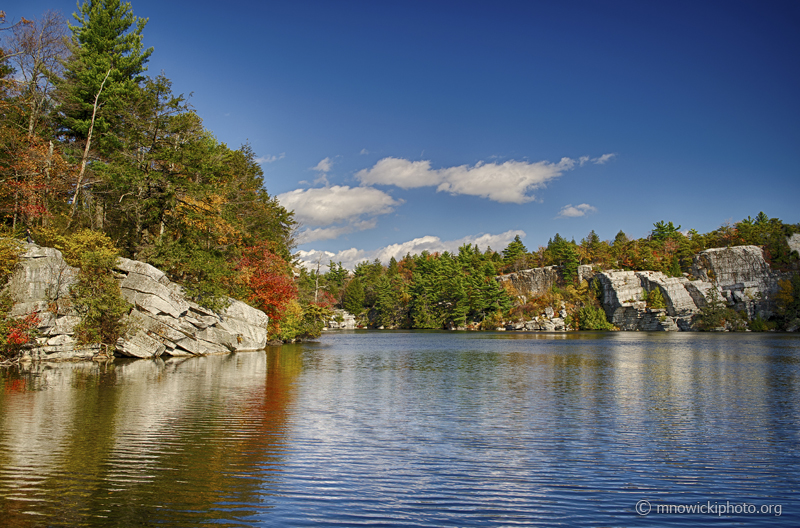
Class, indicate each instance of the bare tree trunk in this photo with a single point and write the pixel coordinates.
(85, 157)
(47, 166)
(32, 117)
(316, 281)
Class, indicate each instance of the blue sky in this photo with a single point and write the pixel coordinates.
(392, 127)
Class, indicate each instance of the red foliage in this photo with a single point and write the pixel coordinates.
(325, 300)
(32, 172)
(268, 278)
(17, 334)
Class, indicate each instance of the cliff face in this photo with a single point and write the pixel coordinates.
(740, 275)
(536, 281)
(162, 321)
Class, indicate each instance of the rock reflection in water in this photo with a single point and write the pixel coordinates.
(179, 442)
(410, 429)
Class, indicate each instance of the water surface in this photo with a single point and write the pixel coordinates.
(412, 429)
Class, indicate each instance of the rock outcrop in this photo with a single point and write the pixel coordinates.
(342, 320)
(794, 242)
(537, 281)
(740, 276)
(162, 320)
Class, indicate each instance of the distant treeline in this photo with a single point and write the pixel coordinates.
(451, 290)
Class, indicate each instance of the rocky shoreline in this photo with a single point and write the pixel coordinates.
(162, 321)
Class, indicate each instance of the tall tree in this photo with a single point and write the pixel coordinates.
(663, 231)
(514, 254)
(107, 58)
(38, 48)
(354, 296)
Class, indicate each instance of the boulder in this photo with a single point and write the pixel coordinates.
(342, 320)
(150, 295)
(744, 279)
(794, 242)
(140, 345)
(134, 266)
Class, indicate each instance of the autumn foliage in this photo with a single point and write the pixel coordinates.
(268, 281)
(15, 333)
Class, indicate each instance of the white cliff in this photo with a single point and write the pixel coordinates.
(162, 320)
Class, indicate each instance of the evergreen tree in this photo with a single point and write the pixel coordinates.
(675, 267)
(107, 51)
(354, 296)
(655, 299)
(389, 301)
(593, 318)
(663, 231)
(564, 254)
(514, 253)
(712, 315)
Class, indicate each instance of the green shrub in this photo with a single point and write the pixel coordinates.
(96, 295)
(655, 299)
(10, 250)
(593, 318)
(760, 325)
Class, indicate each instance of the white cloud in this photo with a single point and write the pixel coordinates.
(328, 233)
(573, 211)
(324, 166)
(400, 172)
(351, 257)
(508, 182)
(340, 203)
(364, 152)
(336, 211)
(270, 159)
(601, 160)
(433, 244)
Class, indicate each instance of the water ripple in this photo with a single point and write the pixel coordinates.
(409, 429)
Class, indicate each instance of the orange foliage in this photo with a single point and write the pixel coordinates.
(268, 280)
(32, 174)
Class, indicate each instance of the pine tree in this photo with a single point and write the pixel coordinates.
(662, 231)
(107, 62)
(354, 297)
(514, 251)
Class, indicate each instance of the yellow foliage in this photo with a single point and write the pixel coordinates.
(206, 216)
(510, 289)
(289, 326)
(10, 251)
(784, 296)
(88, 248)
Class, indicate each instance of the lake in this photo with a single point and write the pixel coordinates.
(414, 429)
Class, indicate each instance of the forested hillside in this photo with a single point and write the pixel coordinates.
(95, 153)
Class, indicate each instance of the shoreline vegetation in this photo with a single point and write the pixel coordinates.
(100, 161)
(467, 290)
